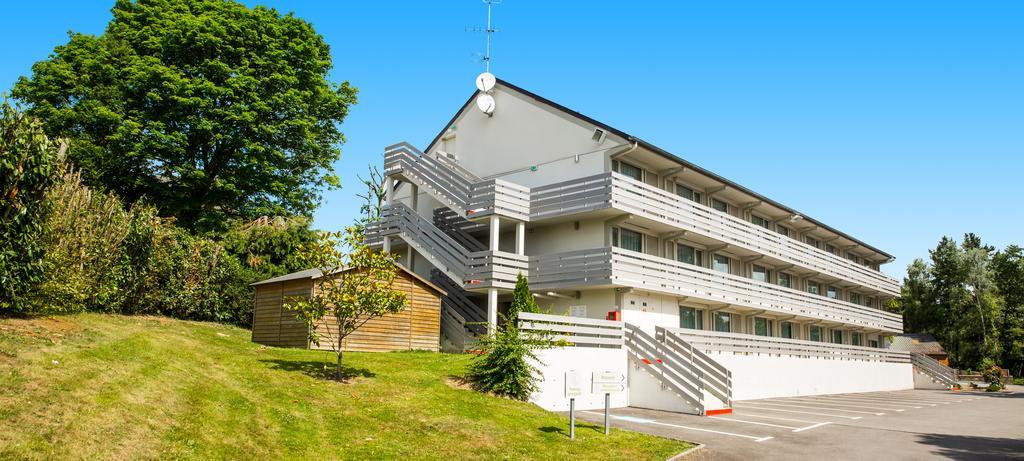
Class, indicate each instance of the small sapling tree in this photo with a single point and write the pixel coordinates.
(355, 287)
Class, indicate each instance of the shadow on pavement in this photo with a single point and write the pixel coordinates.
(967, 447)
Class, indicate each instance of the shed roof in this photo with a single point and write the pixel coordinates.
(917, 342)
(317, 273)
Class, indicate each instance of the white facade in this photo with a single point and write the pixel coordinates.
(607, 226)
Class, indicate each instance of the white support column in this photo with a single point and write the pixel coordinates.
(492, 310)
(387, 245)
(495, 231)
(414, 202)
(389, 190)
(521, 238)
(410, 258)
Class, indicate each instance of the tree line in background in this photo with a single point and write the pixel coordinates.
(164, 165)
(971, 298)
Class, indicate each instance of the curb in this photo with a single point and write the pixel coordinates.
(688, 452)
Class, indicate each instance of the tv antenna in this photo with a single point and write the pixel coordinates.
(489, 31)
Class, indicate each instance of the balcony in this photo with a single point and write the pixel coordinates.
(613, 190)
(618, 267)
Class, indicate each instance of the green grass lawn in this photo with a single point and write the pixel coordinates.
(114, 387)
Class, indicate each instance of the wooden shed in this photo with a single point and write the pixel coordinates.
(416, 327)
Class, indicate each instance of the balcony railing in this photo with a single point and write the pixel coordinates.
(613, 190)
(737, 343)
(619, 267)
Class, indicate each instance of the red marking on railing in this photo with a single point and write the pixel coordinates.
(474, 281)
(723, 411)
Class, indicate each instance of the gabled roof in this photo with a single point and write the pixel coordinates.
(310, 274)
(657, 150)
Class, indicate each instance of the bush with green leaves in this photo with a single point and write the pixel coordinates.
(993, 375)
(28, 160)
(504, 366)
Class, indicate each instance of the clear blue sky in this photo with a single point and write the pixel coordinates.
(895, 123)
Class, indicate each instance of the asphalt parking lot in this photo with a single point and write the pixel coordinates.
(912, 424)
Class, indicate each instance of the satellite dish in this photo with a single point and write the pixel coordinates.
(485, 103)
(485, 81)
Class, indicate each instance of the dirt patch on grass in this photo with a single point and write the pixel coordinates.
(458, 382)
(54, 329)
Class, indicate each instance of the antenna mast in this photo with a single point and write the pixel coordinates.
(490, 30)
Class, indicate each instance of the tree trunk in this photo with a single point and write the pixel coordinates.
(341, 376)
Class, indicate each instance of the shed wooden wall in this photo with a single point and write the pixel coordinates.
(272, 323)
(416, 327)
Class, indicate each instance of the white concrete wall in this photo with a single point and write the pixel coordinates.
(555, 362)
(598, 303)
(760, 376)
(564, 236)
(645, 391)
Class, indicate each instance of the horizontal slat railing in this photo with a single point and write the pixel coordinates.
(737, 343)
(934, 369)
(651, 202)
(615, 266)
(574, 330)
(457, 301)
(459, 228)
(468, 195)
(479, 269)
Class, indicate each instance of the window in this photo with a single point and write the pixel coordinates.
(837, 336)
(691, 318)
(812, 242)
(831, 249)
(762, 326)
(687, 193)
(721, 263)
(814, 333)
(760, 274)
(719, 205)
(831, 292)
(787, 330)
(722, 320)
(855, 339)
(869, 302)
(853, 257)
(855, 298)
(759, 221)
(627, 239)
(782, 230)
(813, 288)
(689, 255)
(872, 343)
(784, 280)
(632, 171)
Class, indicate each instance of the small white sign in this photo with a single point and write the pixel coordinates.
(608, 382)
(578, 311)
(573, 384)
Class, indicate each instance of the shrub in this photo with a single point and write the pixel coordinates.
(503, 367)
(993, 375)
(27, 163)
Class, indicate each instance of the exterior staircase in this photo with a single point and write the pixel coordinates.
(459, 228)
(931, 370)
(667, 366)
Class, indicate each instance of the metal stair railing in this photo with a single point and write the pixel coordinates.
(457, 301)
(714, 377)
(664, 365)
(451, 223)
(933, 369)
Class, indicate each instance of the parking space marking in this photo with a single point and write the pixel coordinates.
(813, 407)
(651, 421)
(843, 404)
(810, 413)
(868, 401)
(810, 427)
(746, 414)
(752, 422)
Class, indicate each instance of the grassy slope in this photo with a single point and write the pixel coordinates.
(99, 386)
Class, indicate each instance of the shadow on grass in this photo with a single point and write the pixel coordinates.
(319, 369)
(564, 430)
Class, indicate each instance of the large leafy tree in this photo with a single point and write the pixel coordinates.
(210, 109)
(1008, 266)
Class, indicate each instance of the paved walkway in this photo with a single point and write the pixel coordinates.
(910, 425)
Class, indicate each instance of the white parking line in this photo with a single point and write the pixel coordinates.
(899, 398)
(810, 427)
(753, 422)
(815, 407)
(651, 421)
(869, 401)
(810, 413)
(843, 404)
(746, 414)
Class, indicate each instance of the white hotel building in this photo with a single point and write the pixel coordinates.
(607, 226)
